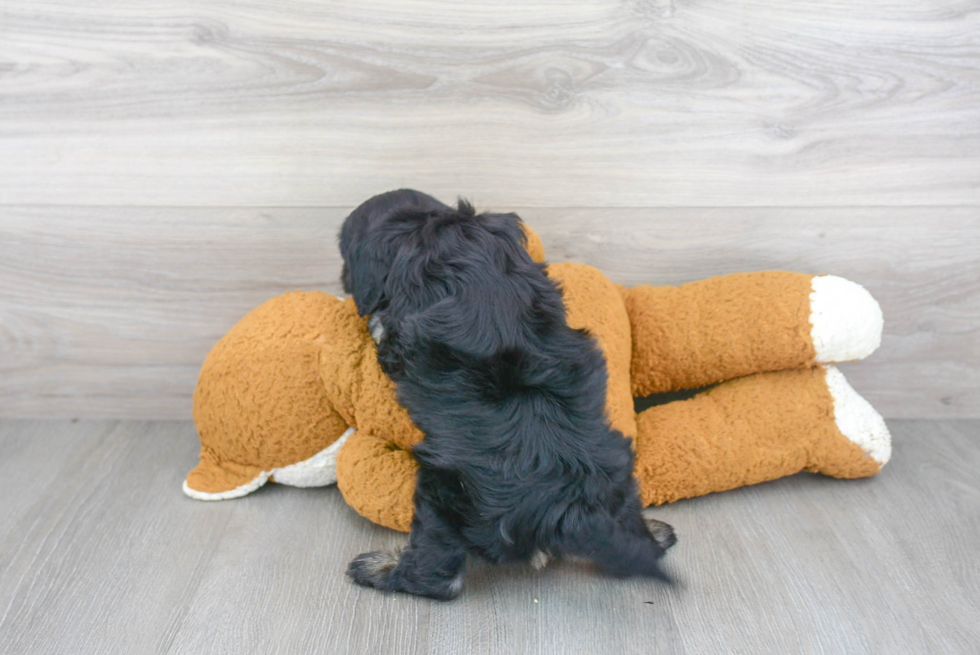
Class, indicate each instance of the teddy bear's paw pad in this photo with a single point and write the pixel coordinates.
(662, 533)
(857, 419)
(317, 471)
(846, 320)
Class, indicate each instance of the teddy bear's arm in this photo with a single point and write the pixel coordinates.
(758, 428)
(377, 479)
(725, 327)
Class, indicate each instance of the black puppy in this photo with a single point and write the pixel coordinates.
(519, 461)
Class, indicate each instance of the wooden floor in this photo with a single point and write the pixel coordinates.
(100, 552)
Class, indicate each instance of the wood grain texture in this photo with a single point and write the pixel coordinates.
(542, 103)
(110, 311)
(100, 552)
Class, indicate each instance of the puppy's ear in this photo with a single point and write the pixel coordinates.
(365, 267)
(367, 271)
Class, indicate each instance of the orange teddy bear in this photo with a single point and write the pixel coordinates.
(294, 392)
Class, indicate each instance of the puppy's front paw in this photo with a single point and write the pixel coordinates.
(662, 533)
(371, 569)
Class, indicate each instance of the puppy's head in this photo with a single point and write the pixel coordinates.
(368, 245)
(429, 272)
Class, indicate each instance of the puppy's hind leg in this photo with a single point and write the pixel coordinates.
(620, 548)
(431, 565)
(662, 533)
(633, 518)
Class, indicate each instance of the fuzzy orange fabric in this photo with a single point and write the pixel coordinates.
(377, 479)
(753, 429)
(718, 329)
(295, 373)
(260, 402)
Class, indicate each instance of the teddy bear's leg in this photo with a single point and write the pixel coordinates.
(725, 327)
(377, 479)
(758, 428)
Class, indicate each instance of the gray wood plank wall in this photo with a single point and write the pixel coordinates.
(166, 166)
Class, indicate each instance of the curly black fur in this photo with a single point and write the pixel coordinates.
(518, 457)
